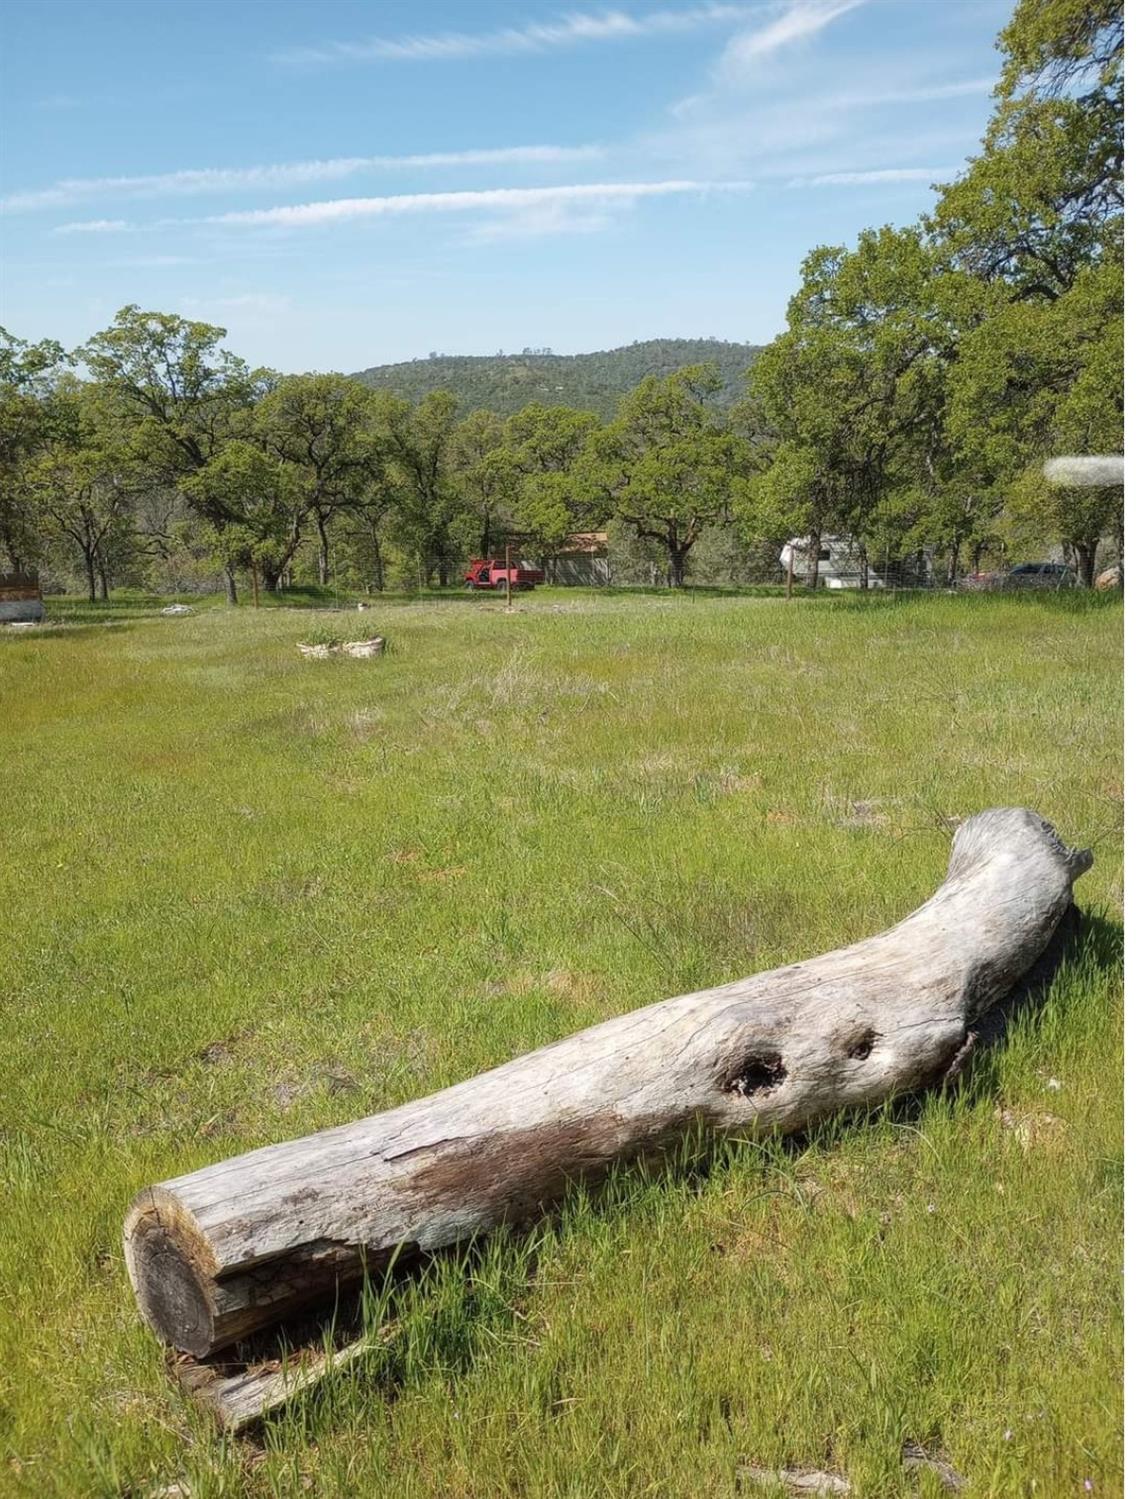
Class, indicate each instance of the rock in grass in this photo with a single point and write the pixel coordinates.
(916, 1457)
(322, 649)
(374, 647)
(796, 1480)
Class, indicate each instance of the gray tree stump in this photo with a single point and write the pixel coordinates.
(232, 1248)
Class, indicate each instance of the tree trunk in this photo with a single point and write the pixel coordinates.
(1120, 542)
(104, 590)
(1085, 555)
(677, 566)
(324, 570)
(10, 544)
(235, 1247)
(813, 578)
(377, 546)
(230, 585)
(89, 564)
(953, 562)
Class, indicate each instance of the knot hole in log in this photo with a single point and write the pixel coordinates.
(860, 1048)
(760, 1073)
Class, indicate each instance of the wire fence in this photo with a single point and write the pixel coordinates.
(829, 572)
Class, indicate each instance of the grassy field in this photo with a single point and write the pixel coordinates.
(247, 895)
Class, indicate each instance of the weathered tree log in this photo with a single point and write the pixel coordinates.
(246, 1394)
(234, 1247)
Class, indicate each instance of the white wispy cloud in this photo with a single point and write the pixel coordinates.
(826, 103)
(94, 226)
(339, 210)
(813, 89)
(798, 20)
(597, 197)
(876, 174)
(568, 30)
(283, 174)
(771, 89)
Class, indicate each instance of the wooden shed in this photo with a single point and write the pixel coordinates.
(21, 602)
(582, 560)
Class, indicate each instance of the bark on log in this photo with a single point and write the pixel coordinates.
(245, 1394)
(224, 1251)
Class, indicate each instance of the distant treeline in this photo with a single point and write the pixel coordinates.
(923, 378)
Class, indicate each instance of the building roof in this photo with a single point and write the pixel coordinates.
(586, 542)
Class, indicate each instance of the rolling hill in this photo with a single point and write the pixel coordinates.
(594, 382)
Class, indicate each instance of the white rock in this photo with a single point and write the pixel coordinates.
(372, 647)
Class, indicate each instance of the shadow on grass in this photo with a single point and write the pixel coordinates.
(72, 626)
(66, 616)
(328, 601)
(1060, 601)
(444, 1311)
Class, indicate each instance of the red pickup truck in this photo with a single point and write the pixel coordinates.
(484, 572)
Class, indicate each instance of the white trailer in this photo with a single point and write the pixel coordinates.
(838, 566)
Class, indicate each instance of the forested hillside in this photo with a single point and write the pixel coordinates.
(504, 383)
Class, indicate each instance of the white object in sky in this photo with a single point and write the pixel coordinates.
(839, 565)
(1086, 471)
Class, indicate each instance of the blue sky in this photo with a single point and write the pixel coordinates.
(347, 183)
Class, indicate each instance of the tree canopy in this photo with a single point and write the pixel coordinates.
(924, 375)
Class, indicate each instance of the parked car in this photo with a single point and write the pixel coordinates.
(1024, 575)
(1041, 575)
(977, 582)
(487, 572)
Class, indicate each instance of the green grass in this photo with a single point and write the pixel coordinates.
(247, 895)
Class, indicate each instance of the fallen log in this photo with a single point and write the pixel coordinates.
(221, 1252)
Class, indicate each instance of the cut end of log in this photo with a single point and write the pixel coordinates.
(161, 1257)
